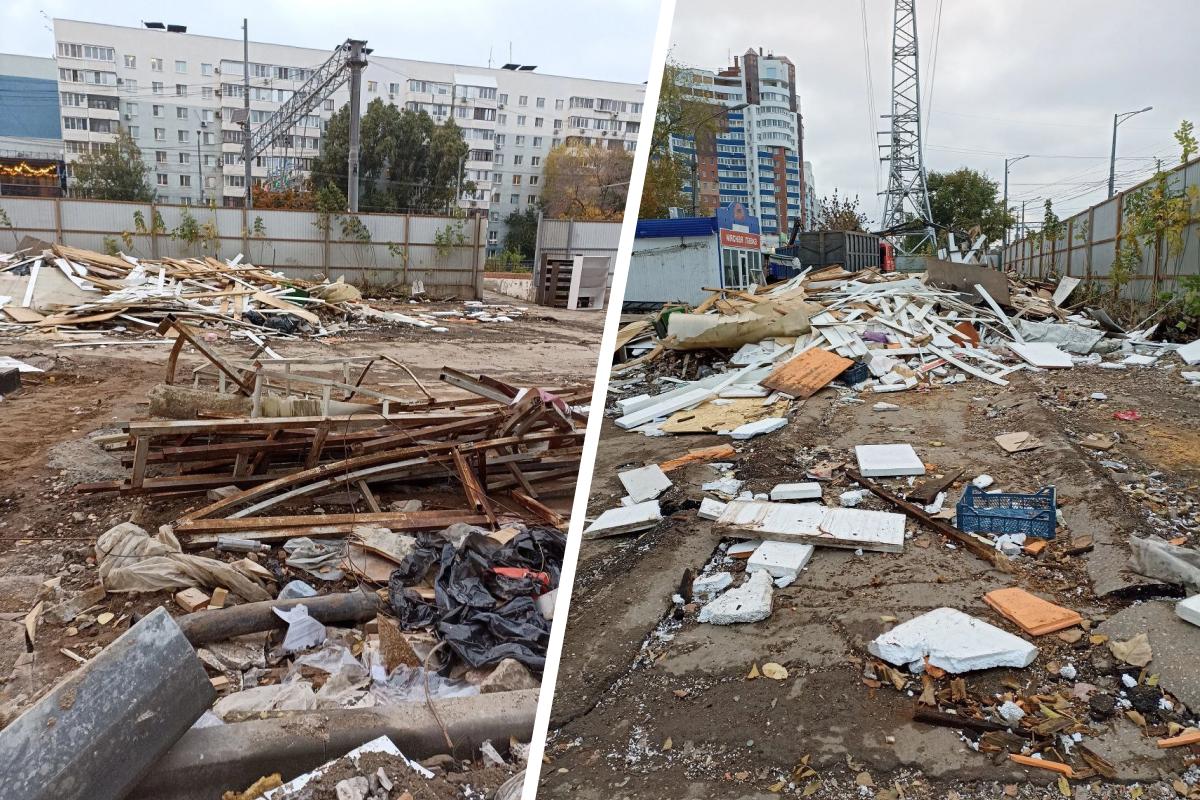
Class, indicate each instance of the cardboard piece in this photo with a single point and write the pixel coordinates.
(1018, 442)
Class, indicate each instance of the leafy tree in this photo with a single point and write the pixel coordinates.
(1052, 226)
(407, 162)
(299, 199)
(677, 115)
(965, 199)
(586, 182)
(1187, 141)
(116, 172)
(838, 213)
(522, 232)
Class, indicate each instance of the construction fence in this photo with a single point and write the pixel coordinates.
(446, 254)
(1089, 242)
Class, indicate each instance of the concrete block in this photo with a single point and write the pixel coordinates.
(710, 509)
(781, 560)
(888, 460)
(759, 427)
(750, 602)
(1189, 610)
(626, 519)
(707, 587)
(644, 483)
(797, 491)
(954, 641)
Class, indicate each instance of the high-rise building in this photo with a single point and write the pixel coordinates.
(756, 155)
(176, 93)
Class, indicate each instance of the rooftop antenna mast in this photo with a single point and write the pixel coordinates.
(907, 197)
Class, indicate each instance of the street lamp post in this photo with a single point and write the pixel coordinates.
(1008, 162)
(696, 149)
(1112, 159)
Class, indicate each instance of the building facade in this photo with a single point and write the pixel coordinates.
(756, 155)
(177, 92)
(31, 145)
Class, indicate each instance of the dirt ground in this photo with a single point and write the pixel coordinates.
(48, 530)
(652, 704)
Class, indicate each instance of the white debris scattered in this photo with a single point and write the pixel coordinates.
(644, 483)
(1128, 680)
(1068, 671)
(888, 460)
(983, 481)
(710, 509)
(707, 587)
(750, 602)
(758, 428)
(728, 487)
(882, 406)
(851, 498)
(1010, 712)
(1099, 396)
(628, 519)
(782, 560)
(1189, 609)
(797, 491)
(953, 641)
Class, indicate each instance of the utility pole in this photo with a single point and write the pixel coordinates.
(199, 174)
(1007, 163)
(356, 63)
(1112, 159)
(246, 153)
(907, 194)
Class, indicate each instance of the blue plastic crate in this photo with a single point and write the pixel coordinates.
(1008, 512)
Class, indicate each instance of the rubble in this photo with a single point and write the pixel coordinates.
(750, 602)
(953, 641)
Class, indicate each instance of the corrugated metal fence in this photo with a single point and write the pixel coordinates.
(381, 250)
(1089, 242)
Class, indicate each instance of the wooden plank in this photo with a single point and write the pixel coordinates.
(284, 305)
(699, 455)
(807, 373)
(369, 497)
(141, 449)
(476, 494)
(23, 315)
(540, 510)
(992, 304)
(317, 526)
(396, 520)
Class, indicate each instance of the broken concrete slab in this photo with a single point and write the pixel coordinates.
(1034, 615)
(758, 428)
(810, 523)
(1173, 642)
(644, 483)
(750, 602)
(707, 587)
(782, 560)
(796, 491)
(1189, 609)
(888, 460)
(953, 641)
(627, 519)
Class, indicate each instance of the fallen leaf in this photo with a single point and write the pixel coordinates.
(1136, 717)
(776, 672)
(681, 693)
(1010, 790)
(776, 788)
(1135, 651)
(754, 673)
(811, 789)
(1098, 638)
(1063, 786)
(741, 776)
(1071, 636)
(864, 779)
(667, 744)
(887, 794)
(887, 618)
(928, 696)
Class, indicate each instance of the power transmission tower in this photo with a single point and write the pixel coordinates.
(907, 198)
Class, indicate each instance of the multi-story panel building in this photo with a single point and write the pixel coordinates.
(177, 92)
(756, 155)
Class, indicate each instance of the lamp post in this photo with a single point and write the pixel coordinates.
(696, 149)
(1112, 159)
(1008, 162)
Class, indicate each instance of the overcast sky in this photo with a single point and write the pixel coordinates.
(1012, 77)
(604, 39)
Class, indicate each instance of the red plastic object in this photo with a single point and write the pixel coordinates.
(1130, 415)
(520, 572)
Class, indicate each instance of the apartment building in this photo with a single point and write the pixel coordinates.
(30, 139)
(756, 155)
(177, 93)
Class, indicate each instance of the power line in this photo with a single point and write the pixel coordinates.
(937, 36)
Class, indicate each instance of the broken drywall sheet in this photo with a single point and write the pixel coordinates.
(644, 483)
(627, 519)
(953, 641)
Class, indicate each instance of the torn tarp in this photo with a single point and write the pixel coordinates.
(485, 613)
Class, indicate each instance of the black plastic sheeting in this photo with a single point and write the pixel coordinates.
(483, 617)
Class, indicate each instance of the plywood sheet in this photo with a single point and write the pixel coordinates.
(711, 417)
(807, 373)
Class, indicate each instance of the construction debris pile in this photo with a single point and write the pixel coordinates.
(351, 550)
(80, 296)
(743, 363)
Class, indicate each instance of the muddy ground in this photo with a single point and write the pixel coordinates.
(652, 704)
(48, 530)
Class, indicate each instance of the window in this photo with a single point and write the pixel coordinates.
(535, 161)
(161, 179)
(502, 119)
(516, 181)
(185, 157)
(181, 67)
(499, 139)
(515, 199)
(537, 141)
(537, 122)
(558, 105)
(261, 70)
(131, 109)
(104, 126)
(493, 236)
(498, 177)
(503, 98)
(555, 142)
(541, 102)
(156, 110)
(206, 69)
(520, 141)
(235, 180)
(131, 62)
(520, 119)
(160, 156)
(156, 65)
(329, 104)
(160, 134)
(393, 88)
(181, 112)
(210, 138)
(210, 182)
(185, 181)
(206, 92)
(372, 86)
(533, 180)
(75, 123)
(532, 199)
(130, 85)
(523, 100)
(156, 87)
(499, 160)
(181, 90)
(74, 99)
(134, 131)
(558, 124)
(88, 51)
(518, 160)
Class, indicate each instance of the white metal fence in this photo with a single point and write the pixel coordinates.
(446, 254)
(1090, 241)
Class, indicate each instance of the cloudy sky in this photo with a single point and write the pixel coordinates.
(605, 39)
(1011, 78)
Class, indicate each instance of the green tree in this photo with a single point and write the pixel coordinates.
(838, 213)
(116, 172)
(522, 232)
(586, 182)
(406, 160)
(965, 199)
